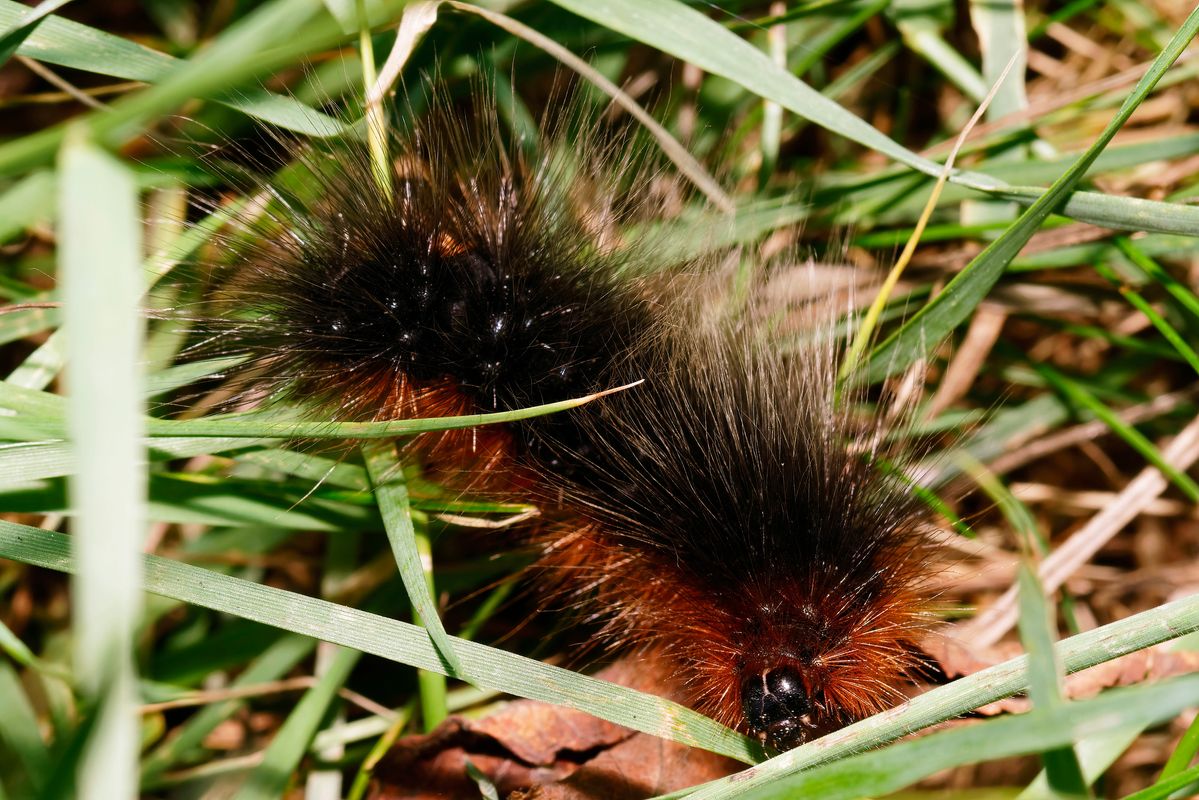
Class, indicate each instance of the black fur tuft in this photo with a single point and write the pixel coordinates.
(487, 268)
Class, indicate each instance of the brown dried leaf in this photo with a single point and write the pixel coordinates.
(530, 749)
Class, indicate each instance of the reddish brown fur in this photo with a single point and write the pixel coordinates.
(854, 662)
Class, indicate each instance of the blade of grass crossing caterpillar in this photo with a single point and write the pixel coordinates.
(985, 686)
(957, 300)
(882, 772)
(486, 667)
(1062, 769)
(100, 271)
(412, 555)
(495, 669)
(274, 425)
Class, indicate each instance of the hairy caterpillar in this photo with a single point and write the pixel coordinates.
(726, 514)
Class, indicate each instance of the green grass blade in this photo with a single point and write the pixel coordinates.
(926, 39)
(885, 771)
(326, 471)
(1062, 768)
(100, 269)
(1159, 322)
(270, 779)
(1000, 29)
(19, 730)
(1078, 394)
(16, 33)
(71, 44)
(1167, 786)
(684, 32)
(494, 669)
(274, 663)
(28, 201)
(1185, 297)
(24, 462)
(957, 301)
(31, 401)
(391, 493)
(273, 425)
(1184, 753)
(14, 648)
(278, 29)
(37, 371)
(1096, 754)
(486, 667)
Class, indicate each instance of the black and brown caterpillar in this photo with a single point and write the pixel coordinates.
(728, 514)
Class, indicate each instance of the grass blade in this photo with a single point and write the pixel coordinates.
(71, 44)
(415, 565)
(100, 268)
(490, 668)
(885, 771)
(1078, 394)
(19, 730)
(486, 667)
(275, 662)
(270, 779)
(17, 32)
(961, 295)
(1062, 768)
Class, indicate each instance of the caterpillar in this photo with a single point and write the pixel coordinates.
(727, 514)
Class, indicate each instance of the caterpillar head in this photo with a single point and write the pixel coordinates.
(777, 707)
(797, 659)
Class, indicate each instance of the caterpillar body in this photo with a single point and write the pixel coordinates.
(726, 513)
